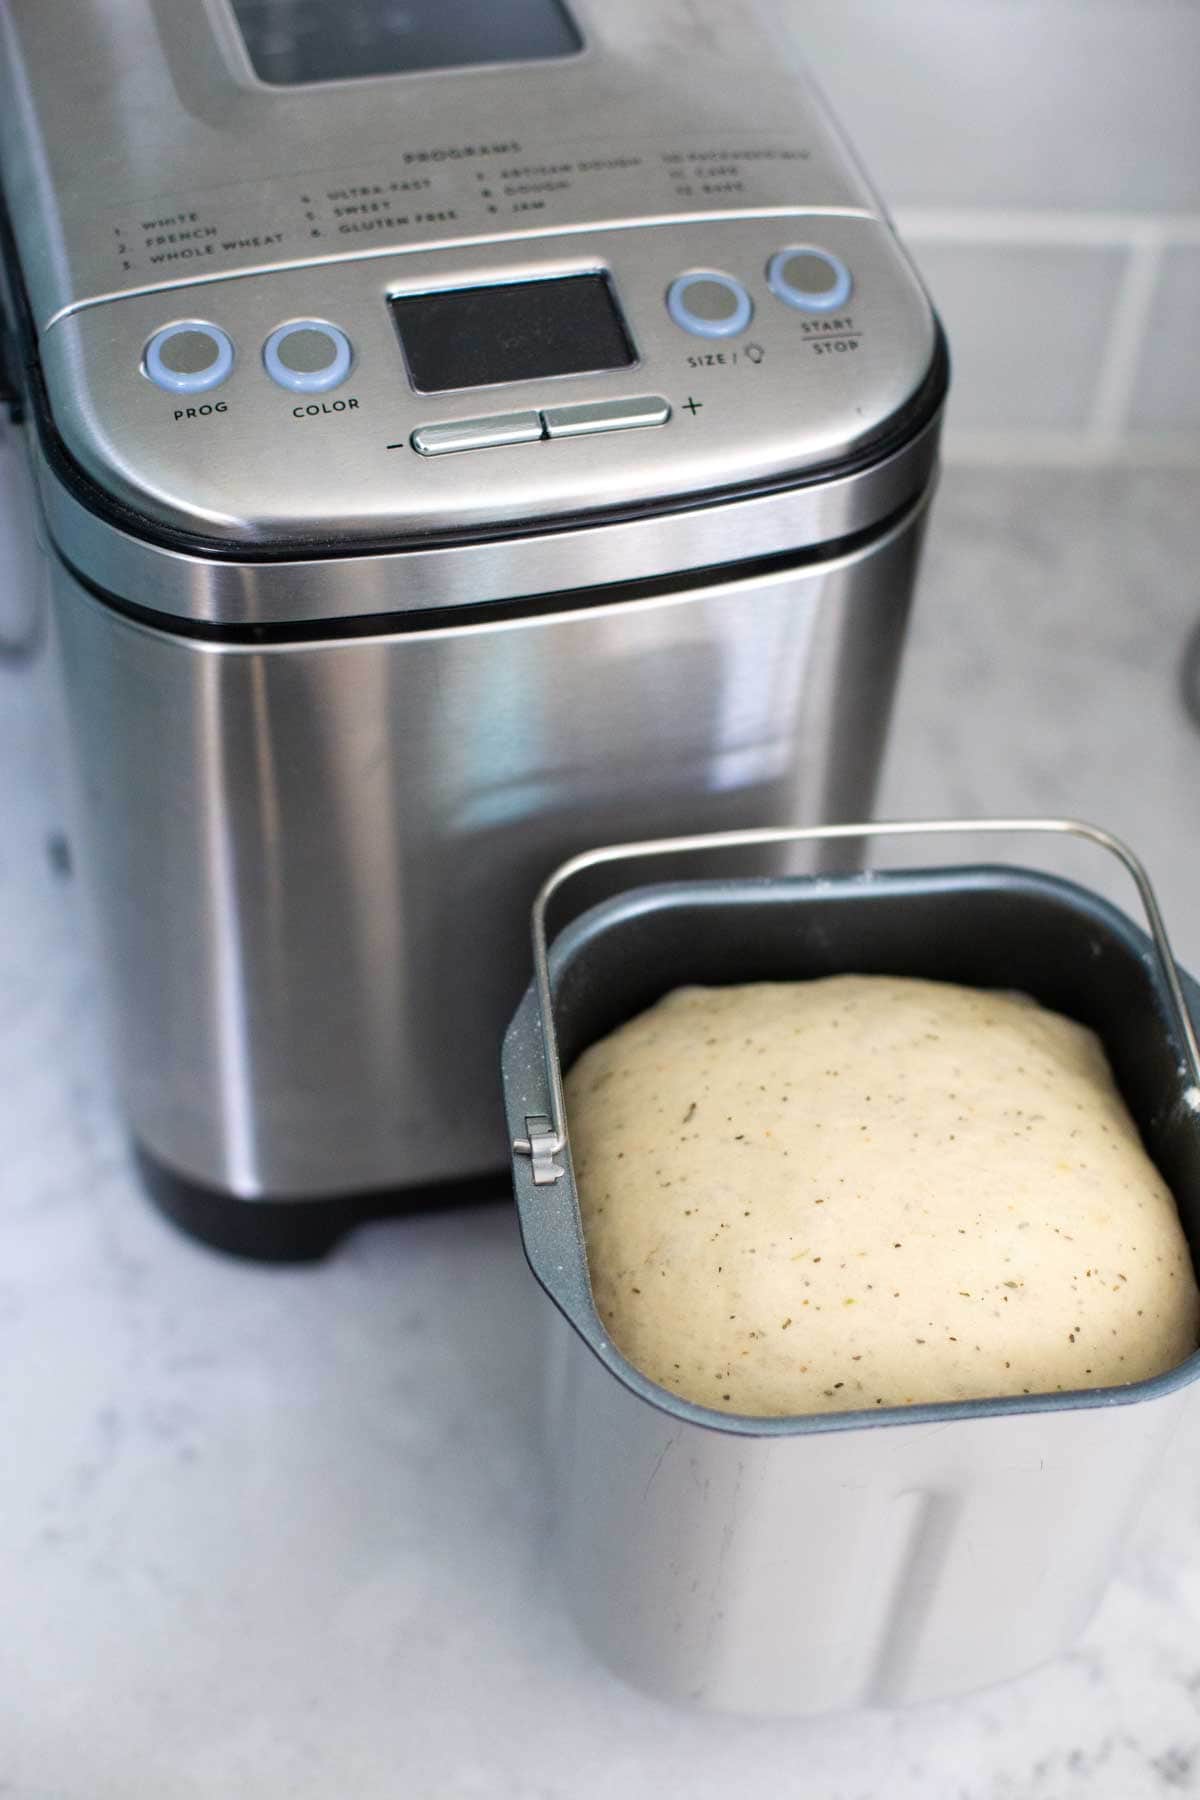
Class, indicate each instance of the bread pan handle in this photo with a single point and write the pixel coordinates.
(546, 1137)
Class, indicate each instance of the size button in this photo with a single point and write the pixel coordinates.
(188, 358)
(709, 304)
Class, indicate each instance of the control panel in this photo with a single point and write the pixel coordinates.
(496, 384)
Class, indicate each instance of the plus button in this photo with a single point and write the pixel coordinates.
(693, 406)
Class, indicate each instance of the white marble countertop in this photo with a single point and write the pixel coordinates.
(279, 1532)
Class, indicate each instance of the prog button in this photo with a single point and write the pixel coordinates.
(308, 356)
(188, 358)
(709, 304)
(809, 279)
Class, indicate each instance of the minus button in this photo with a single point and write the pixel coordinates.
(477, 434)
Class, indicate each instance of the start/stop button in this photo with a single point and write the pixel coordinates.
(808, 278)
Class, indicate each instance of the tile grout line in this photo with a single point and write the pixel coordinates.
(1105, 437)
(1126, 338)
(1011, 447)
(1061, 229)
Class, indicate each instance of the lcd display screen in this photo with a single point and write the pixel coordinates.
(523, 331)
(300, 41)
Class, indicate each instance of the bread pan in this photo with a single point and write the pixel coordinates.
(808, 1564)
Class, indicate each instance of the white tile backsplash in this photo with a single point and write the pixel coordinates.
(1028, 331)
(1043, 157)
(1015, 103)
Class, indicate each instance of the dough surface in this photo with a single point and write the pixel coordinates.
(867, 1191)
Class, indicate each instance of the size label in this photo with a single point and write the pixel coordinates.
(751, 355)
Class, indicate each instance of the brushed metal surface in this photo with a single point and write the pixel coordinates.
(252, 464)
(140, 150)
(857, 1568)
(313, 862)
(308, 589)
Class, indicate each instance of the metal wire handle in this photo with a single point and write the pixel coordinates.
(547, 1137)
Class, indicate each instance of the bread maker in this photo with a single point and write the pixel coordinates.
(463, 434)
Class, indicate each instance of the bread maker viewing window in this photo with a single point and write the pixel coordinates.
(305, 41)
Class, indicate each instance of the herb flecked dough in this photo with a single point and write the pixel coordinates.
(867, 1191)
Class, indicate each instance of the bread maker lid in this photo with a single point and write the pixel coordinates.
(577, 286)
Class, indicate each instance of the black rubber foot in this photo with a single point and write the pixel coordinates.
(293, 1231)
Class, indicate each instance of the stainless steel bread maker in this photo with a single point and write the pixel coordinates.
(456, 445)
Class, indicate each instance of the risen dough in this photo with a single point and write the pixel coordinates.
(863, 1191)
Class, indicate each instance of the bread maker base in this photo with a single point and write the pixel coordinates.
(290, 1231)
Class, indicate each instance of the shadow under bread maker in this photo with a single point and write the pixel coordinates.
(463, 435)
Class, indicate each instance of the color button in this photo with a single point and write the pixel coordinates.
(308, 356)
(188, 358)
(809, 279)
(709, 304)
